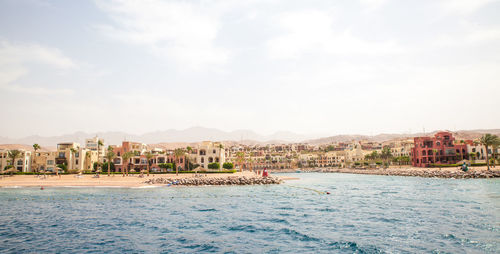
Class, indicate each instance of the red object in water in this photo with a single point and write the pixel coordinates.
(327, 193)
(264, 173)
(41, 188)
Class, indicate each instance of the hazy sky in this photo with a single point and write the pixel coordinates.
(312, 67)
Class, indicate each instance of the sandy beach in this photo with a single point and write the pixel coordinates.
(102, 181)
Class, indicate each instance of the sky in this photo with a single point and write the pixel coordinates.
(310, 67)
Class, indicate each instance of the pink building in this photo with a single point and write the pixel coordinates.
(440, 149)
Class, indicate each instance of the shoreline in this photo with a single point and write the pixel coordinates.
(117, 181)
(476, 172)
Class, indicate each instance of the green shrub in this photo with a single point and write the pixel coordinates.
(166, 165)
(63, 167)
(214, 165)
(228, 165)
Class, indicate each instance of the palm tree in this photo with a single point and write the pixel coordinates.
(110, 155)
(220, 155)
(149, 156)
(73, 151)
(494, 148)
(488, 140)
(88, 154)
(240, 158)
(472, 157)
(125, 158)
(386, 154)
(435, 151)
(99, 144)
(178, 153)
(36, 147)
(13, 154)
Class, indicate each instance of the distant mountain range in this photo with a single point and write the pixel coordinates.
(198, 134)
(190, 135)
(462, 134)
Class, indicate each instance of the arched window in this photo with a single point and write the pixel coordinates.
(423, 153)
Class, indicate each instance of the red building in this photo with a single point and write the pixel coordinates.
(440, 149)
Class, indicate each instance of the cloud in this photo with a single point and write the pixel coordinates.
(13, 66)
(470, 36)
(312, 31)
(464, 6)
(180, 30)
(23, 53)
(373, 4)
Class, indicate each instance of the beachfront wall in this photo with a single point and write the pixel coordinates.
(440, 149)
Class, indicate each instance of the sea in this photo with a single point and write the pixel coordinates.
(318, 213)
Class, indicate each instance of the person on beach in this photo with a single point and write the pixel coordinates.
(264, 173)
(464, 167)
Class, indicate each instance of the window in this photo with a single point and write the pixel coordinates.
(19, 163)
(50, 162)
(61, 155)
(76, 161)
(214, 151)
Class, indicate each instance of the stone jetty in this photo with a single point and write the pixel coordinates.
(231, 180)
(412, 171)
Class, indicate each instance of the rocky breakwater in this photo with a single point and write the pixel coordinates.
(199, 181)
(422, 172)
(447, 174)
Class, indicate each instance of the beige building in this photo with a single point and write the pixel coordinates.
(208, 152)
(401, 147)
(91, 144)
(44, 161)
(22, 163)
(76, 157)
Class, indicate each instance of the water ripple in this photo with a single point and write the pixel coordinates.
(365, 214)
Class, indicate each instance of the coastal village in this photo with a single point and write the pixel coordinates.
(440, 150)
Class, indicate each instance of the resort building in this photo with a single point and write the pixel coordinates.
(477, 152)
(92, 144)
(440, 149)
(21, 164)
(208, 152)
(127, 146)
(401, 148)
(44, 161)
(76, 157)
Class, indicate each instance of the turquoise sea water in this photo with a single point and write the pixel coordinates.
(363, 214)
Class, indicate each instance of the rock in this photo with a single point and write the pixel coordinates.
(233, 180)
